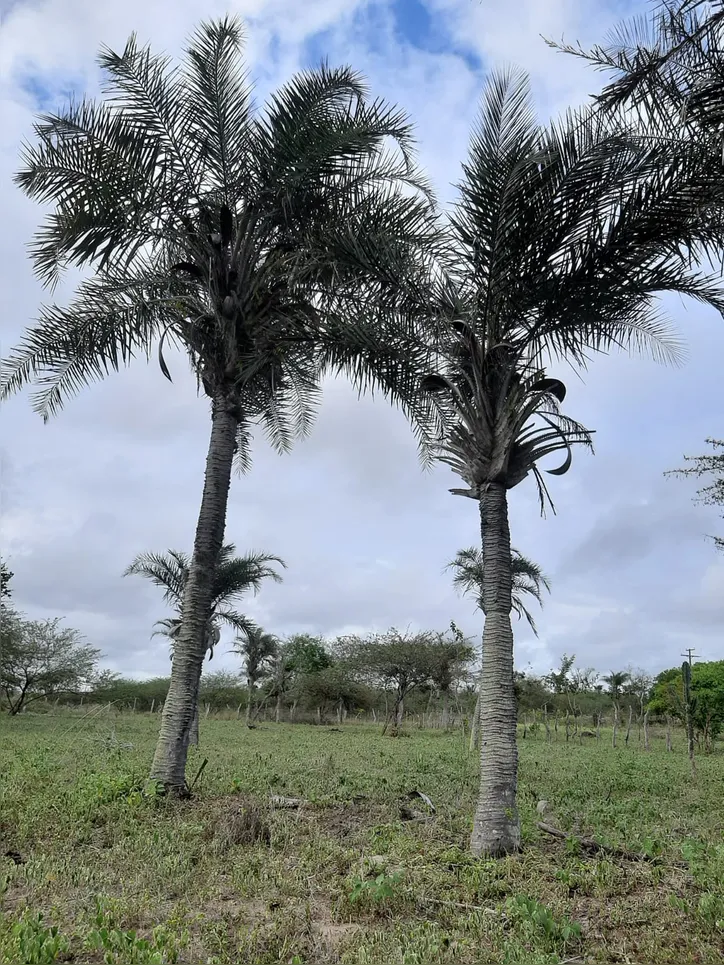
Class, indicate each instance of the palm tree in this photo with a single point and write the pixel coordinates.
(616, 681)
(527, 578)
(265, 244)
(233, 577)
(258, 650)
(561, 240)
(281, 675)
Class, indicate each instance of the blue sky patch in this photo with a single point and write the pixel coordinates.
(49, 93)
(413, 25)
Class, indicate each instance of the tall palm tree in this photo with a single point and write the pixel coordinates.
(234, 576)
(262, 243)
(258, 650)
(562, 238)
(527, 578)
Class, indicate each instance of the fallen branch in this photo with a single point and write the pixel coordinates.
(457, 904)
(423, 797)
(595, 847)
(285, 802)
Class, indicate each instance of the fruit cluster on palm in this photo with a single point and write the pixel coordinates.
(275, 246)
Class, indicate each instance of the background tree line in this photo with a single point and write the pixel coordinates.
(427, 676)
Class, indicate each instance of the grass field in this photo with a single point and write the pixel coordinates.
(124, 878)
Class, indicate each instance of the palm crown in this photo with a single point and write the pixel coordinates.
(528, 579)
(564, 236)
(616, 681)
(234, 576)
(258, 651)
(243, 236)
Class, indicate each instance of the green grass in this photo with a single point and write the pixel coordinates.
(121, 877)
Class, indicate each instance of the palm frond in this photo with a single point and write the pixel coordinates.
(102, 172)
(143, 86)
(111, 321)
(237, 621)
(167, 627)
(663, 64)
(527, 578)
(167, 570)
(235, 575)
(218, 88)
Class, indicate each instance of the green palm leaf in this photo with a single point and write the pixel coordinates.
(528, 579)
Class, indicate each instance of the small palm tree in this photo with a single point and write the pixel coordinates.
(528, 579)
(281, 676)
(264, 244)
(258, 651)
(616, 681)
(234, 576)
(562, 239)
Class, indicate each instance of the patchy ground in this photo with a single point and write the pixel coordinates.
(359, 874)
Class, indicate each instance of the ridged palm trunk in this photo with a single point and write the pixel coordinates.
(169, 762)
(194, 732)
(445, 722)
(496, 826)
(249, 700)
(475, 725)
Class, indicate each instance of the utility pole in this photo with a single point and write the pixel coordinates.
(686, 674)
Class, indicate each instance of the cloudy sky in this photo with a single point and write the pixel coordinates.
(364, 533)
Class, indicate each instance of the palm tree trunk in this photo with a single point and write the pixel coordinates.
(475, 727)
(249, 701)
(445, 710)
(615, 724)
(278, 708)
(194, 733)
(169, 762)
(496, 826)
